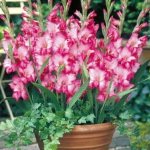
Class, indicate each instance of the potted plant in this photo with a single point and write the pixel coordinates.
(74, 84)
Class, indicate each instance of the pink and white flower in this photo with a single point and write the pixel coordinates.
(65, 45)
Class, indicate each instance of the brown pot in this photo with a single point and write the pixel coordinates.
(87, 137)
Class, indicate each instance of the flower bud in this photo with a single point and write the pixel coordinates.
(119, 14)
(35, 13)
(50, 1)
(69, 3)
(25, 8)
(2, 17)
(34, 5)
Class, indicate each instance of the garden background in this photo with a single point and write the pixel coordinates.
(138, 105)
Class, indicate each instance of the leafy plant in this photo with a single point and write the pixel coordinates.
(140, 99)
(139, 135)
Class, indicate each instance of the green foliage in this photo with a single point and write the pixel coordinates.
(139, 103)
(1, 32)
(47, 94)
(78, 94)
(141, 139)
(139, 129)
(134, 8)
(44, 117)
(49, 125)
(85, 119)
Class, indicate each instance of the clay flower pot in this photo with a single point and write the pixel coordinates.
(87, 137)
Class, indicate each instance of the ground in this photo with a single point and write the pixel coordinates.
(118, 143)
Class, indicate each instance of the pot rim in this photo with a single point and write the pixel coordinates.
(94, 127)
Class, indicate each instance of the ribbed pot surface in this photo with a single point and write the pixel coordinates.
(85, 137)
(88, 137)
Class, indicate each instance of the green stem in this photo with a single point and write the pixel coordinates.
(140, 17)
(107, 96)
(30, 7)
(40, 14)
(57, 96)
(84, 5)
(122, 19)
(90, 98)
(50, 3)
(109, 7)
(6, 81)
(62, 101)
(95, 103)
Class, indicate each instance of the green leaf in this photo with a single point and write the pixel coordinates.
(101, 117)
(36, 106)
(23, 105)
(44, 65)
(97, 1)
(7, 98)
(82, 120)
(3, 126)
(110, 102)
(85, 119)
(68, 113)
(139, 73)
(122, 94)
(50, 95)
(10, 52)
(35, 95)
(90, 118)
(85, 71)
(50, 117)
(119, 105)
(78, 94)
(6, 128)
(125, 115)
(90, 99)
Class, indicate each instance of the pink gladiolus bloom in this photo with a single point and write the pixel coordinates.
(57, 54)
(21, 53)
(18, 88)
(9, 66)
(28, 72)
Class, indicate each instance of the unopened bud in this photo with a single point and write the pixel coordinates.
(61, 9)
(34, 5)
(12, 25)
(2, 17)
(104, 11)
(35, 13)
(50, 1)
(143, 25)
(92, 14)
(25, 8)
(123, 7)
(119, 14)
(25, 15)
(102, 26)
(69, 2)
(86, 7)
(147, 10)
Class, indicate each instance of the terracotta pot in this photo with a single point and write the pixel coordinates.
(87, 137)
